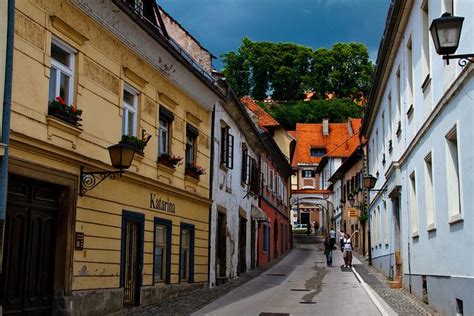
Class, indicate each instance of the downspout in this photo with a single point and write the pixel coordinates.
(6, 121)
(211, 181)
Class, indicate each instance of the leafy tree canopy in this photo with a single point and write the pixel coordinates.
(290, 113)
(287, 70)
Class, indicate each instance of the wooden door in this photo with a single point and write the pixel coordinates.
(132, 257)
(242, 265)
(30, 246)
(253, 241)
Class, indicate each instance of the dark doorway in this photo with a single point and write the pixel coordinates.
(253, 242)
(132, 257)
(304, 218)
(221, 245)
(242, 266)
(275, 239)
(30, 246)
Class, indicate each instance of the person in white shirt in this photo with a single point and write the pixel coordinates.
(347, 250)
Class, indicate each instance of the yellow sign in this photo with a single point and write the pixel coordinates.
(353, 212)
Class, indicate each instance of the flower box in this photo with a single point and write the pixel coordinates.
(194, 171)
(170, 160)
(64, 116)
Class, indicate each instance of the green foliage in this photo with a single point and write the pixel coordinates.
(290, 113)
(288, 70)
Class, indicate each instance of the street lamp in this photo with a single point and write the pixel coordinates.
(121, 156)
(446, 32)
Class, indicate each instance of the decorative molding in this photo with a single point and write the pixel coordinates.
(193, 118)
(167, 100)
(67, 30)
(133, 76)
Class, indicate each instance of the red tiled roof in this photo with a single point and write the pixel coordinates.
(264, 119)
(339, 142)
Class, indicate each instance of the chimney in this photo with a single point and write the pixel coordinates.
(349, 127)
(325, 127)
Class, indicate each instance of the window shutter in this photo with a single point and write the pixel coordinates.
(224, 145)
(230, 151)
(244, 166)
(254, 184)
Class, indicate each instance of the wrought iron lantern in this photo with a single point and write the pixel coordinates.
(351, 199)
(446, 32)
(121, 156)
(369, 182)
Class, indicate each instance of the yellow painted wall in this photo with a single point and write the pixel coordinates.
(100, 76)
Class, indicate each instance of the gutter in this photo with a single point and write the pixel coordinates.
(7, 99)
(211, 191)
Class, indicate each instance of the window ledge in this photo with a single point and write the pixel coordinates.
(426, 83)
(431, 227)
(165, 168)
(191, 179)
(455, 219)
(415, 235)
(59, 124)
(2, 149)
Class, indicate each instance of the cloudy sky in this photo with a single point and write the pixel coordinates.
(220, 25)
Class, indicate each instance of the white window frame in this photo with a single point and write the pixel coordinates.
(60, 68)
(429, 193)
(130, 108)
(413, 205)
(161, 130)
(453, 174)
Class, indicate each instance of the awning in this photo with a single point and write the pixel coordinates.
(258, 214)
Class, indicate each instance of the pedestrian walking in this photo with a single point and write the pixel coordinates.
(316, 228)
(347, 250)
(328, 248)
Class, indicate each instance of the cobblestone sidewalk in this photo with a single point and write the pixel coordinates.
(186, 305)
(400, 300)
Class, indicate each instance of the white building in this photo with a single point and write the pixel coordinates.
(235, 210)
(419, 125)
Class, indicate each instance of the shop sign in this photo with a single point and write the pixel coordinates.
(157, 203)
(353, 212)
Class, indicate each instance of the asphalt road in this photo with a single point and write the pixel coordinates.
(301, 284)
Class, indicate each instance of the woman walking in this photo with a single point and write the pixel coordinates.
(347, 250)
(328, 248)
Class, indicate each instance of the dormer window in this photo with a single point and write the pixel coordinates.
(317, 152)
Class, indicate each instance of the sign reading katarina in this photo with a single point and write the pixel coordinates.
(159, 204)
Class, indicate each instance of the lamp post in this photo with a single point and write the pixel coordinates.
(121, 156)
(446, 32)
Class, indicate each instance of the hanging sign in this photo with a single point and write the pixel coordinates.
(353, 212)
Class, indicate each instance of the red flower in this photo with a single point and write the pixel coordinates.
(73, 109)
(60, 100)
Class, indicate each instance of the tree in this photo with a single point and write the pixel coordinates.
(286, 70)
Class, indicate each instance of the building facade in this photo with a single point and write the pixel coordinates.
(88, 75)
(418, 129)
(235, 211)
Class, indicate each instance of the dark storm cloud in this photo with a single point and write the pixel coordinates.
(221, 24)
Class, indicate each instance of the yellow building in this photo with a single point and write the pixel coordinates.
(130, 240)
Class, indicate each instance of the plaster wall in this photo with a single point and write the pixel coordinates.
(230, 194)
(441, 100)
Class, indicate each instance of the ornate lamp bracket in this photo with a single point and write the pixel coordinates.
(463, 59)
(90, 180)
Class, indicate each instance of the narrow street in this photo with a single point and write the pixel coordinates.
(300, 284)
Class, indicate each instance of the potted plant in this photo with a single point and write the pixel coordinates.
(67, 113)
(171, 161)
(194, 170)
(137, 143)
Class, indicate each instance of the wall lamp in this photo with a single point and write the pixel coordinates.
(121, 156)
(446, 32)
(369, 183)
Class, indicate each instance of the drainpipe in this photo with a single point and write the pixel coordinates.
(211, 182)
(6, 122)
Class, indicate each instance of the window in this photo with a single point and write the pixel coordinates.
(190, 152)
(399, 104)
(426, 43)
(383, 133)
(385, 222)
(317, 152)
(410, 73)
(61, 79)
(227, 148)
(165, 120)
(162, 251)
(429, 197)
(307, 173)
(390, 122)
(246, 165)
(452, 174)
(413, 205)
(129, 118)
(253, 176)
(186, 253)
(272, 180)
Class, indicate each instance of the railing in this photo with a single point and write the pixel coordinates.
(138, 11)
